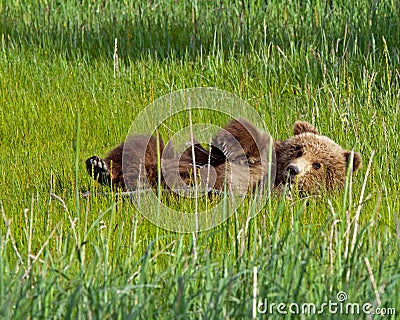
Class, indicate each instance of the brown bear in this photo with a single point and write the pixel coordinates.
(238, 158)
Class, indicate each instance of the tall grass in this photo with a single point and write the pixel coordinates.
(335, 64)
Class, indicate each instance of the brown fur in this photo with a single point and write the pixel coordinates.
(130, 153)
(236, 158)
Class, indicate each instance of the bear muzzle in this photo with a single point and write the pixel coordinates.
(292, 170)
(298, 169)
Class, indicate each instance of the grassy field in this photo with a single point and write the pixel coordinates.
(65, 95)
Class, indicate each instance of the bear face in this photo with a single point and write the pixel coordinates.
(312, 162)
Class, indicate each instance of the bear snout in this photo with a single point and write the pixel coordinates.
(292, 170)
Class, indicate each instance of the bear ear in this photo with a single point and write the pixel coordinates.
(357, 161)
(302, 127)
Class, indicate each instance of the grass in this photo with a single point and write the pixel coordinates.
(62, 100)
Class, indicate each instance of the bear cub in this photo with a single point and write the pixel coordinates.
(237, 159)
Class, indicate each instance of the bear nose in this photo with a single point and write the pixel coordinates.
(292, 170)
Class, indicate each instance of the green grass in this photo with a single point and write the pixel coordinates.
(62, 100)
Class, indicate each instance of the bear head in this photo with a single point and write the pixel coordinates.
(311, 162)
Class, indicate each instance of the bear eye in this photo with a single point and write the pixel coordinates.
(316, 165)
(298, 152)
